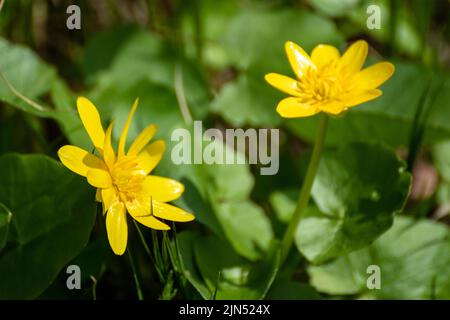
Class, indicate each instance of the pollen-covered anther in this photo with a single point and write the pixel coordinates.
(128, 177)
(318, 85)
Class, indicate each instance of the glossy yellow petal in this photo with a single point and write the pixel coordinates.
(353, 59)
(139, 207)
(149, 158)
(298, 58)
(123, 136)
(142, 140)
(116, 227)
(79, 160)
(98, 195)
(152, 222)
(354, 99)
(91, 121)
(324, 54)
(374, 76)
(108, 152)
(99, 178)
(140, 211)
(162, 189)
(333, 107)
(327, 81)
(108, 196)
(294, 108)
(283, 83)
(168, 212)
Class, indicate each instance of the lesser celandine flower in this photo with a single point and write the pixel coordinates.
(122, 178)
(327, 81)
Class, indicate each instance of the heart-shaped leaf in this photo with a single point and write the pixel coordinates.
(357, 191)
(21, 71)
(53, 214)
(413, 259)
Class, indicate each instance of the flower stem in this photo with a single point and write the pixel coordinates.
(305, 192)
(181, 97)
(147, 250)
(21, 96)
(198, 32)
(135, 276)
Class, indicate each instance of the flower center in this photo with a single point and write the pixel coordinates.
(127, 177)
(320, 85)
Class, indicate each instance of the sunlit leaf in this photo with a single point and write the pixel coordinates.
(358, 190)
(412, 257)
(27, 74)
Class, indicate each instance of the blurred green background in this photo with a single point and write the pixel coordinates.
(213, 55)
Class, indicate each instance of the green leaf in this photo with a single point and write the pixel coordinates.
(157, 105)
(218, 195)
(195, 198)
(334, 8)
(228, 187)
(357, 191)
(246, 227)
(248, 101)
(283, 203)
(230, 276)
(266, 31)
(103, 47)
(413, 257)
(93, 261)
(283, 289)
(193, 201)
(441, 157)
(232, 182)
(142, 65)
(208, 20)
(27, 73)
(186, 241)
(5, 219)
(443, 197)
(67, 115)
(54, 212)
(407, 38)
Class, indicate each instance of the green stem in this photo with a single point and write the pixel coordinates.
(135, 276)
(198, 30)
(305, 192)
(94, 293)
(393, 25)
(96, 280)
(181, 97)
(2, 2)
(147, 250)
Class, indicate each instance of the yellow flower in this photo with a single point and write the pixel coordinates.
(122, 179)
(328, 82)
